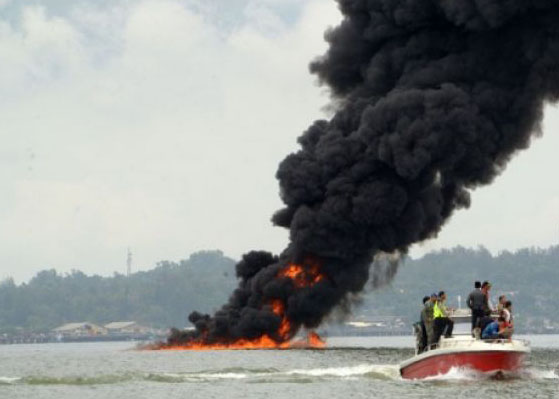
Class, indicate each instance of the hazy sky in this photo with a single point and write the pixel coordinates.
(159, 125)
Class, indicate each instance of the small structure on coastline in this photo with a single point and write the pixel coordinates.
(126, 327)
(80, 329)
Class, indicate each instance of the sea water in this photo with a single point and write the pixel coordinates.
(364, 367)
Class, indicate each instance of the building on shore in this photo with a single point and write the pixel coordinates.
(80, 329)
(126, 327)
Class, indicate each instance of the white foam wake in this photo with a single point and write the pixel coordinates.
(363, 370)
(458, 374)
(467, 374)
(537, 374)
(352, 371)
(9, 380)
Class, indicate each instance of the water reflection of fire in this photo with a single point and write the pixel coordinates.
(302, 277)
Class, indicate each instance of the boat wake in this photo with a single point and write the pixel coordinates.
(538, 374)
(296, 375)
(466, 374)
(269, 375)
(272, 375)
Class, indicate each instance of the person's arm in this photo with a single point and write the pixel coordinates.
(470, 301)
(489, 304)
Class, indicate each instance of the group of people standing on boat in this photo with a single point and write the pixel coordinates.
(489, 322)
(435, 321)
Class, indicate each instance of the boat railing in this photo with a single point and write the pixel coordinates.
(464, 315)
(466, 343)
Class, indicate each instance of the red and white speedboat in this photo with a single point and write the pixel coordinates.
(466, 352)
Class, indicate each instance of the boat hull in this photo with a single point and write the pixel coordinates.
(483, 361)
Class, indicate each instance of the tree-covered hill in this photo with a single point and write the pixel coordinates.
(529, 278)
(161, 297)
(164, 296)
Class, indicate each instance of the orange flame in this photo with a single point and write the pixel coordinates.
(302, 277)
(285, 327)
(264, 342)
(314, 340)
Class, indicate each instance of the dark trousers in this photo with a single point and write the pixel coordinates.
(419, 329)
(477, 314)
(423, 338)
(442, 325)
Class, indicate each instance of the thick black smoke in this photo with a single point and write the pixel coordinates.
(433, 98)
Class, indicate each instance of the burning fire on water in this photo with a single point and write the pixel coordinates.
(312, 341)
(284, 330)
(302, 277)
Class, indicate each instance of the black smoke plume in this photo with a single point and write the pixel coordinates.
(433, 98)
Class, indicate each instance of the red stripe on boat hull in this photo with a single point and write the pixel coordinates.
(486, 361)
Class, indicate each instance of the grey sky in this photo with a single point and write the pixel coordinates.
(159, 125)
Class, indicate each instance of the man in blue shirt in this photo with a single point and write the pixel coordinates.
(495, 330)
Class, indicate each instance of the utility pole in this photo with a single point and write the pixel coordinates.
(128, 263)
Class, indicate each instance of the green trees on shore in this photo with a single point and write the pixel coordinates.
(161, 297)
(165, 295)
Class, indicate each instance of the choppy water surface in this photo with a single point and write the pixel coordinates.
(351, 367)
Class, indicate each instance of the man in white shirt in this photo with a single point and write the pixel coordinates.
(507, 311)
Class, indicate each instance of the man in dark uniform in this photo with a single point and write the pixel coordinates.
(423, 326)
(476, 302)
(485, 288)
(487, 309)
